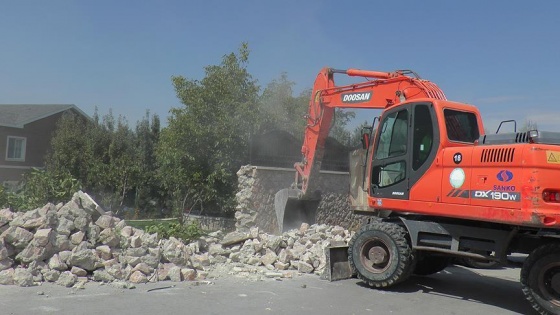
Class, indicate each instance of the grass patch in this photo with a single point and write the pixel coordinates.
(142, 224)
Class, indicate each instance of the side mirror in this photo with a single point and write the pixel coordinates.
(365, 141)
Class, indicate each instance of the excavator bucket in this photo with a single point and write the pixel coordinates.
(338, 266)
(292, 210)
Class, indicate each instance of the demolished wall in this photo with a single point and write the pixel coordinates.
(257, 186)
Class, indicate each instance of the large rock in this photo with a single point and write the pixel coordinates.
(88, 204)
(105, 222)
(6, 263)
(138, 277)
(235, 238)
(23, 277)
(103, 276)
(109, 237)
(17, 236)
(67, 279)
(84, 258)
(3, 250)
(56, 263)
(7, 276)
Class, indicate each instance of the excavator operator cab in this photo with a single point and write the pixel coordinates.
(406, 144)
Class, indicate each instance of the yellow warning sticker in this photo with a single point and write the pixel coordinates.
(553, 157)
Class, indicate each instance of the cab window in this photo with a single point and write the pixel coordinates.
(461, 126)
(393, 137)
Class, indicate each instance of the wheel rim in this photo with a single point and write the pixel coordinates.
(549, 282)
(375, 256)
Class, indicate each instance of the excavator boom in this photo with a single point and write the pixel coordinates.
(380, 90)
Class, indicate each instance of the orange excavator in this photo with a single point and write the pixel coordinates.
(436, 186)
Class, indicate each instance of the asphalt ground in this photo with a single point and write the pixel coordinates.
(456, 290)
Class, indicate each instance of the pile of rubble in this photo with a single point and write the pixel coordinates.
(77, 242)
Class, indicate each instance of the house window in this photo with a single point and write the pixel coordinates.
(15, 150)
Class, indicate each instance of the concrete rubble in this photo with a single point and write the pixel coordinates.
(73, 243)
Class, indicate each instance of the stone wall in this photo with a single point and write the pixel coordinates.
(258, 185)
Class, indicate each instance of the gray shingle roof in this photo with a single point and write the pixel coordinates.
(18, 115)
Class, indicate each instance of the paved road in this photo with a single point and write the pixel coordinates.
(456, 290)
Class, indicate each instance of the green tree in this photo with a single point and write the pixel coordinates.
(207, 140)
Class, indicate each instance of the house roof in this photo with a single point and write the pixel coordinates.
(18, 115)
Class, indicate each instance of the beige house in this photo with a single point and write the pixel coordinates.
(25, 136)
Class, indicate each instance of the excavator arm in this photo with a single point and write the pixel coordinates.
(381, 90)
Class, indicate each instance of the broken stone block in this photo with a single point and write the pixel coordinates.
(56, 263)
(304, 267)
(281, 266)
(126, 231)
(51, 275)
(16, 236)
(133, 261)
(286, 255)
(33, 223)
(3, 250)
(199, 261)
(23, 277)
(62, 243)
(105, 222)
(235, 238)
(85, 258)
(104, 252)
(65, 226)
(32, 253)
(269, 258)
(188, 274)
(135, 241)
(7, 276)
(138, 277)
(136, 252)
(77, 237)
(150, 260)
(43, 237)
(150, 240)
(234, 256)
(109, 237)
(92, 233)
(103, 276)
(115, 271)
(87, 203)
(67, 279)
(174, 274)
(78, 271)
(144, 268)
(6, 263)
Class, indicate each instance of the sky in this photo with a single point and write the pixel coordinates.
(119, 56)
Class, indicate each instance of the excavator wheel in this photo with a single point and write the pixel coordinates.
(540, 279)
(380, 254)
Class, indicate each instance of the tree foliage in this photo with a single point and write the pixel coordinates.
(207, 139)
(109, 159)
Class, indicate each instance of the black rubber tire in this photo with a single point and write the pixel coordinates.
(429, 264)
(388, 238)
(479, 264)
(536, 279)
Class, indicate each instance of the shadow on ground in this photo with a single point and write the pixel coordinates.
(457, 282)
